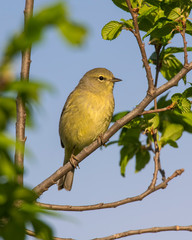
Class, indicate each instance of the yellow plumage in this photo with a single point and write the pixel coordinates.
(86, 115)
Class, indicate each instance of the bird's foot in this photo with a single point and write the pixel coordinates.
(74, 161)
(100, 140)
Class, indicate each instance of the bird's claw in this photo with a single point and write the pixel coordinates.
(101, 141)
(74, 161)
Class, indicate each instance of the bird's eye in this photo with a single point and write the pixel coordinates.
(101, 77)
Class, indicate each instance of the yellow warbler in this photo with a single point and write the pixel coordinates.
(86, 115)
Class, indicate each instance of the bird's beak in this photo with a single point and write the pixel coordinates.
(116, 80)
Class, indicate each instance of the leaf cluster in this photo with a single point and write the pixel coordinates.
(136, 137)
(160, 21)
(17, 208)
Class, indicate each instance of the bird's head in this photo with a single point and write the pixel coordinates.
(99, 79)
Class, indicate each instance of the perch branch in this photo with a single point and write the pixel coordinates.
(146, 230)
(113, 204)
(31, 233)
(20, 104)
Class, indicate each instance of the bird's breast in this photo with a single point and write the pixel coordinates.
(85, 118)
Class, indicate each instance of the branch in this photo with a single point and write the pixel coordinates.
(44, 186)
(146, 230)
(184, 44)
(20, 104)
(142, 48)
(156, 160)
(113, 204)
(171, 106)
(31, 233)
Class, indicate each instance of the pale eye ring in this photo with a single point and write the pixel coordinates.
(101, 78)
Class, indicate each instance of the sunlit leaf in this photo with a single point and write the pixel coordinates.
(182, 103)
(170, 67)
(121, 4)
(111, 30)
(171, 132)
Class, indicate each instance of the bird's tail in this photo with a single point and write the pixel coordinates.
(67, 180)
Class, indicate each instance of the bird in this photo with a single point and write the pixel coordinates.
(86, 116)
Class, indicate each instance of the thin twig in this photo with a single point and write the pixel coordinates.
(44, 186)
(146, 230)
(20, 104)
(170, 107)
(31, 233)
(134, 15)
(184, 44)
(112, 204)
(156, 164)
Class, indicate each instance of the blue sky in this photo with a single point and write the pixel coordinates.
(98, 179)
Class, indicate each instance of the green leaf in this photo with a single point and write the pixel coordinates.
(14, 227)
(172, 143)
(147, 17)
(111, 30)
(188, 27)
(176, 97)
(29, 90)
(7, 168)
(42, 230)
(154, 2)
(170, 67)
(163, 102)
(7, 111)
(175, 50)
(188, 92)
(154, 122)
(128, 23)
(172, 132)
(173, 8)
(170, 64)
(121, 4)
(127, 152)
(123, 160)
(142, 158)
(74, 33)
(183, 104)
(162, 27)
(129, 136)
(175, 117)
(175, 13)
(186, 120)
(118, 116)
